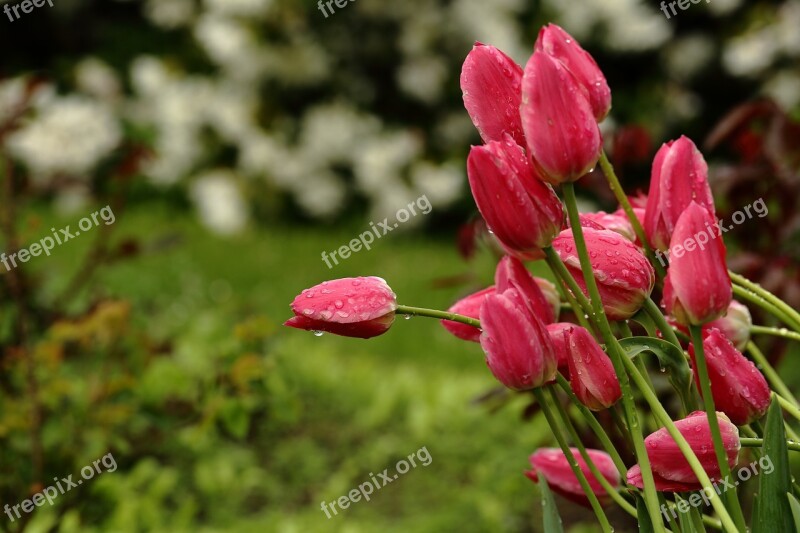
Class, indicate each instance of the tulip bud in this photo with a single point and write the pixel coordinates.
(512, 274)
(556, 332)
(518, 349)
(669, 463)
(697, 288)
(560, 128)
(523, 212)
(491, 83)
(554, 41)
(735, 325)
(552, 464)
(680, 176)
(624, 276)
(592, 375)
(634, 478)
(738, 388)
(352, 307)
(469, 306)
(615, 222)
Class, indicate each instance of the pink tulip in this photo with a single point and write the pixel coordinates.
(624, 276)
(560, 128)
(735, 325)
(352, 307)
(523, 212)
(469, 306)
(512, 274)
(634, 478)
(591, 372)
(738, 388)
(554, 41)
(559, 340)
(518, 349)
(615, 222)
(679, 177)
(492, 83)
(697, 288)
(552, 464)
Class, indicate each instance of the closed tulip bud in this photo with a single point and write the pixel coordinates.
(352, 307)
(554, 41)
(469, 306)
(634, 478)
(491, 83)
(624, 276)
(697, 288)
(518, 349)
(669, 463)
(679, 177)
(523, 212)
(512, 274)
(560, 128)
(553, 466)
(735, 325)
(738, 388)
(591, 372)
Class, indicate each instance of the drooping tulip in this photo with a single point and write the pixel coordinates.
(591, 372)
(554, 41)
(634, 478)
(491, 83)
(469, 306)
(362, 307)
(739, 389)
(512, 274)
(697, 288)
(624, 277)
(552, 464)
(679, 177)
(517, 346)
(523, 212)
(563, 137)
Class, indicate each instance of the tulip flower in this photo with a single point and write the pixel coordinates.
(624, 276)
(352, 307)
(697, 288)
(512, 274)
(615, 222)
(552, 464)
(518, 349)
(560, 128)
(491, 83)
(634, 478)
(591, 372)
(735, 325)
(523, 212)
(551, 294)
(679, 177)
(669, 463)
(554, 41)
(469, 306)
(556, 332)
(738, 388)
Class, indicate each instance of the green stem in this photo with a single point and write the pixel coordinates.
(744, 294)
(655, 314)
(770, 373)
(434, 313)
(618, 357)
(788, 406)
(758, 443)
(619, 194)
(713, 422)
(777, 332)
(554, 427)
(769, 297)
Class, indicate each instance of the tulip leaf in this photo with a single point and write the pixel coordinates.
(773, 510)
(550, 517)
(643, 516)
(795, 505)
(669, 356)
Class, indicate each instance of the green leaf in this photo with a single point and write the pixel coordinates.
(795, 505)
(669, 355)
(645, 524)
(773, 510)
(550, 517)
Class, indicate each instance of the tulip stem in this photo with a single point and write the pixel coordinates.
(622, 198)
(576, 440)
(713, 422)
(769, 297)
(759, 301)
(618, 358)
(770, 373)
(788, 406)
(758, 443)
(433, 313)
(652, 310)
(777, 332)
(587, 489)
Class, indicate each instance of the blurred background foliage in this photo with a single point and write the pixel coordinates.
(238, 139)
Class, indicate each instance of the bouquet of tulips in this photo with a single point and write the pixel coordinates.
(541, 134)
